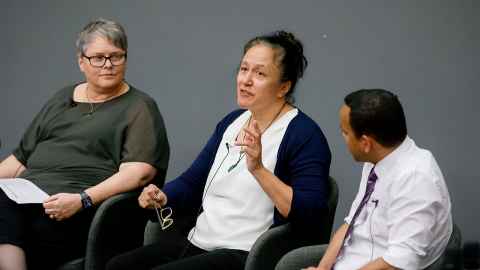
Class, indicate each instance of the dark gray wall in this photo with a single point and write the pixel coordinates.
(184, 53)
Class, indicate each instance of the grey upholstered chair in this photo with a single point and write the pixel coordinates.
(311, 255)
(271, 245)
(108, 235)
(451, 257)
(276, 242)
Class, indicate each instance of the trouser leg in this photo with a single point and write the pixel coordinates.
(219, 259)
(169, 248)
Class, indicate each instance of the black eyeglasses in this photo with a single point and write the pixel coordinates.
(100, 60)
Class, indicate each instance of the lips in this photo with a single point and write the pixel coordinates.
(245, 93)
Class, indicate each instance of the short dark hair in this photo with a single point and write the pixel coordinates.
(377, 113)
(291, 58)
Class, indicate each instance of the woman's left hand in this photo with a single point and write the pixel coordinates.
(62, 205)
(252, 145)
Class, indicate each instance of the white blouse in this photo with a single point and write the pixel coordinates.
(236, 209)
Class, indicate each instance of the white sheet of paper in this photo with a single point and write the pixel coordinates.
(22, 191)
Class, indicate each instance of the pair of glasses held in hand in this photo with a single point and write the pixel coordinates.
(164, 216)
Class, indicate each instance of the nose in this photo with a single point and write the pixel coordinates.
(108, 63)
(246, 78)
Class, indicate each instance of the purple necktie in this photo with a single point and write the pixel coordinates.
(372, 179)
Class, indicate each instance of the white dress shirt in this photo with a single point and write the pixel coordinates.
(236, 208)
(407, 220)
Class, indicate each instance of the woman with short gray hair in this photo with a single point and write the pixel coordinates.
(90, 141)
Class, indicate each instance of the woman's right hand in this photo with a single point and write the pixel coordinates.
(152, 197)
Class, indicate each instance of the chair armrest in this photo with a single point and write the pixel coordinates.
(270, 247)
(451, 257)
(302, 257)
(117, 226)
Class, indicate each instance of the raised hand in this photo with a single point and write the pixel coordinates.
(252, 145)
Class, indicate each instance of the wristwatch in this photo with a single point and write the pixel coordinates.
(86, 200)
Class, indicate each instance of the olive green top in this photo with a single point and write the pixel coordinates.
(68, 149)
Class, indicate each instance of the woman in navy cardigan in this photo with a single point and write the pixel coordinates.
(266, 164)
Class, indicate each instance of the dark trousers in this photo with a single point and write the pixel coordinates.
(46, 242)
(176, 253)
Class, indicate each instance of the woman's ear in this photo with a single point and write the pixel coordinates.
(284, 89)
(81, 62)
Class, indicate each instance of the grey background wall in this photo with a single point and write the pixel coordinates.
(184, 54)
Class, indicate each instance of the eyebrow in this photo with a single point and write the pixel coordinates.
(110, 54)
(255, 65)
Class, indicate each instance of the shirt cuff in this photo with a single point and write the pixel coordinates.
(402, 258)
(348, 219)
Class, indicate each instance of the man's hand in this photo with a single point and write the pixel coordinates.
(315, 268)
(62, 205)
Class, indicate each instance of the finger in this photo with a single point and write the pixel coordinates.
(51, 198)
(256, 127)
(157, 200)
(152, 187)
(243, 144)
(152, 192)
(161, 198)
(249, 141)
(145, 202)
(247, 145)
(147, 189)
(142, 200)
(48, 205)
(250, 151)
(142, 203)
(145, 195)
(253, 133)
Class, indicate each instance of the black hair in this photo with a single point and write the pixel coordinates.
(377, 113)
(292, 60)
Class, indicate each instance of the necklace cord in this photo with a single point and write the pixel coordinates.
(102, 101)
(242, 153)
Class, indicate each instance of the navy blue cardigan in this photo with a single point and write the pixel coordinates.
(303, 162)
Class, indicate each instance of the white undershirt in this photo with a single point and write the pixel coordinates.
(236, 209)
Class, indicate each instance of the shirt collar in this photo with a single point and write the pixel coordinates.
(389, 162)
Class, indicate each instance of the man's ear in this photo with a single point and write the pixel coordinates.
(366, 143)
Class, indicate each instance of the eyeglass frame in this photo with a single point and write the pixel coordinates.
(105, 58)
(164, 219)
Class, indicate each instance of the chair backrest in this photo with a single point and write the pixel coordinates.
(451, 256)
(325, 227)
(332, 202)
(104, 229)
(276, 242)
(183, 222)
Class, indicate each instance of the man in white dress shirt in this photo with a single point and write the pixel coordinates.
(400, 218)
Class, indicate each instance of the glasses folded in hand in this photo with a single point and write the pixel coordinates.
(164, 217)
